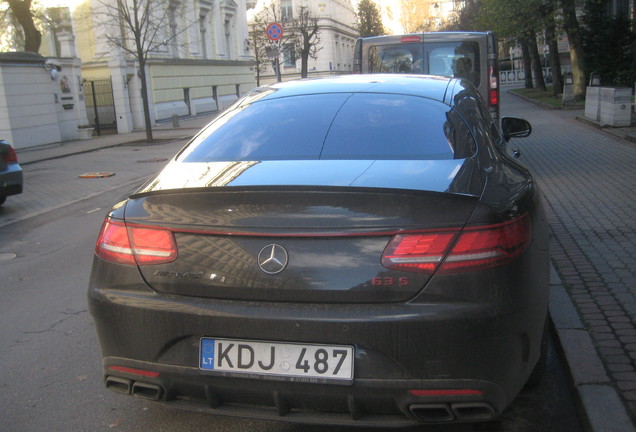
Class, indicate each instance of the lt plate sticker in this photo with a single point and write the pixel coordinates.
(278, 359)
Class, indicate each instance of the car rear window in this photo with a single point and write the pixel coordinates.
(396, 58)
(455, 59)
(459, 59)
(329, 126)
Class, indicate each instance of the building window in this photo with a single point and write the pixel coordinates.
(289, 55)
(287, 10)
(228, 38)
(203, 31)
(228, 9)
(172, 22)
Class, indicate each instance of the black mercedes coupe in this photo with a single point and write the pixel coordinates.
(354, 250)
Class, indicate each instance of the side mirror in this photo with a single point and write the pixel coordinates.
(513, 127)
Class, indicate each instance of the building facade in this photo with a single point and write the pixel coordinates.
(336, 32)
(198, 59)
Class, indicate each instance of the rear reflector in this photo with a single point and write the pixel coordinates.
(472, 249)
(140, 372)
(450, 392)
(134, 245)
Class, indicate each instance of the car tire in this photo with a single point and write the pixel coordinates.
(2, 200)
(539, 369)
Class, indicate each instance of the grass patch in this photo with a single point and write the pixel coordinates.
(545, 97)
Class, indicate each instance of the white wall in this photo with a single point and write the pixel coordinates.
(41, 101)
(28, 102)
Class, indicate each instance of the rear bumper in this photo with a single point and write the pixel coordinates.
(368, 402)
(483, 348)
(11, 181)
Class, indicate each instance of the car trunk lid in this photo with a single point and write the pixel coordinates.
(302, 232)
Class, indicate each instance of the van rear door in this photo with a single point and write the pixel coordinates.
(469, 55)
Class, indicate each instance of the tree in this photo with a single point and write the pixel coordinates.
(301, 33)
(270, 14)
(607, 42)
(527, 62)
(419, 15)
(308, 37)
(468, 18)
(21, 10)
(535, 59)
(369, 19)
(139, 27)
(571, 27)
(517, 20)
(547, 11)
(258, 46)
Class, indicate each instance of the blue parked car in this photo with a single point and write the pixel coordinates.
(10, 172)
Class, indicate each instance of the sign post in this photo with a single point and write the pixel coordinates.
(274, 33)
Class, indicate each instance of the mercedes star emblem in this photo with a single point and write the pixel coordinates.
(272, 259)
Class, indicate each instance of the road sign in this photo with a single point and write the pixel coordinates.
(274, 31)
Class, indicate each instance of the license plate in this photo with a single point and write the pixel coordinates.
(291, 360)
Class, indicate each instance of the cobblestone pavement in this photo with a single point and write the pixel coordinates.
(589, 179)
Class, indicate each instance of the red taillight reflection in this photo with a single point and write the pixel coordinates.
(476, 248)
(135, 245)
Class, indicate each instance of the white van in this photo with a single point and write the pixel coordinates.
(470, 55)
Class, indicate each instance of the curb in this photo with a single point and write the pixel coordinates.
(535, 102)
(602, 409)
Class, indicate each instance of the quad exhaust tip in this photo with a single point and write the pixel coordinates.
(468, 412)
(147, 390)
(136, 388)
(119, 385)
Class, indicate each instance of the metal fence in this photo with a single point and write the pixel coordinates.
(100, 105)
(518, 76)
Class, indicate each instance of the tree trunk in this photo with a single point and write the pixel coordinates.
(527, 63)
(22, 12)
(144, 99)
(571, 27)
(536, 62)
(555, 59)
(304, 58)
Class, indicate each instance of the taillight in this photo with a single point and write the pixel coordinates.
(11, 156)
(135, 245)
(472, 249)
(420, 253)
(493, 86)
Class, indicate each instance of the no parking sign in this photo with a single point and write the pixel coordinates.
(274, 31)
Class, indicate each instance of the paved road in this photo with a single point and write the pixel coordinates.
(589, 178)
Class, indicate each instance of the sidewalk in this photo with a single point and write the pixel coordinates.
(578, 113)
(163, 132)
(587, 176)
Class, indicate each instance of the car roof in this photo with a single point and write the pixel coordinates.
(428, 86)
